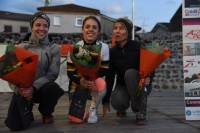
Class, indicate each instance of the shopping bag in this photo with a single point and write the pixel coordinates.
(77, 106)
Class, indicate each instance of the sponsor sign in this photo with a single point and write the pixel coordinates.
(192, 113)
(191, 33)
(191, 58)
(191, 8)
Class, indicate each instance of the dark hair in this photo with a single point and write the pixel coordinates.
(93, 18)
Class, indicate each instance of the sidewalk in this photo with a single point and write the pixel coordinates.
(165, 115)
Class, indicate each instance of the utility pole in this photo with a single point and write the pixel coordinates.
(133, 12)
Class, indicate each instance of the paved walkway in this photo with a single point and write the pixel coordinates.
(165, 115)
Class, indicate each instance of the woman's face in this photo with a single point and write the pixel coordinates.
(40, 28)
(120, 32)
(90, 31)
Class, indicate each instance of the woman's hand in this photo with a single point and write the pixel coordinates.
(26, 93)
(83, 82)
(89, 84)
(92, 85)
(147, 81)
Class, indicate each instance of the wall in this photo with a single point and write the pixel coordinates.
(67, 23)
(169, 75)
(107, 26)
(15, 25)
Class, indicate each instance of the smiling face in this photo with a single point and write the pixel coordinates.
(40, 28)
(120, 32)
(90, 31)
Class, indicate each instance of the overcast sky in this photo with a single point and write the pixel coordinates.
(147, 12)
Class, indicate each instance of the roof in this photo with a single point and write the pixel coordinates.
(164, 26)
(108, 18)
(69, 8)
(15, 16)
(176, 21)
(175, 24)
(137, 28)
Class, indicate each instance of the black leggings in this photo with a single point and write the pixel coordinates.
(123, 95)
(47, 97)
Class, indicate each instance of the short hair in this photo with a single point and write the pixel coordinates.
(93, 18)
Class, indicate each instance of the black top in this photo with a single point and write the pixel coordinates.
(121, 59)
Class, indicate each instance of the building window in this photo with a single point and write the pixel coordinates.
(23, 29)
(56, 21)
(79, 21)
(7, 28)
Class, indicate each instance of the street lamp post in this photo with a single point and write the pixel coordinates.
(133, 9)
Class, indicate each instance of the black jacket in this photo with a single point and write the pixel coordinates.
(121, 59)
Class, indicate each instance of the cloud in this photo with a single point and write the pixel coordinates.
(21, 6)
(113, 9)
(170, 2)
(28, 6)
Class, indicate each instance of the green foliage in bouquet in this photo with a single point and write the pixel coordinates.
(9, 62)
(153, 47)
(86, 55)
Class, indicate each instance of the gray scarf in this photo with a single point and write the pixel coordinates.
(33, 40)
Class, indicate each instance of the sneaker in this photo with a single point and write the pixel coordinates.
(140, 119)
(47, 119)
(92, 116)
(121, 114)
(141, 122)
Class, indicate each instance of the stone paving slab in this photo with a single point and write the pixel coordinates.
(165, 115)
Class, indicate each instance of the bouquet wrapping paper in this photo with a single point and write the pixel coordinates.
(18, 66)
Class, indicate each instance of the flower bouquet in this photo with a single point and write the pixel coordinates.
(87, 60)
(18, 66)
(151, 56)
(66, 49)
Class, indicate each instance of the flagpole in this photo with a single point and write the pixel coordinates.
(133, 12)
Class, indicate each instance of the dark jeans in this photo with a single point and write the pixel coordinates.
(47, 97)
(124, 95)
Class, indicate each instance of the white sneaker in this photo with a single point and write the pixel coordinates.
(92, 116)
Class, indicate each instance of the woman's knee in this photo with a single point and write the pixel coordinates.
(52, 89)
(120, 100)
(131, 74)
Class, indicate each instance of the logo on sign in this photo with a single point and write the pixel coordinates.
(188, 112)
(192, 12)
(193, 34)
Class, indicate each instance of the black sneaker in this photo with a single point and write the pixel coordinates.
(47, 119)
(140, 119)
